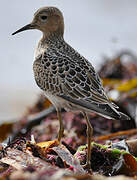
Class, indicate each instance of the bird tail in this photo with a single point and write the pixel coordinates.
(109, 112)
(106, 110)
(120, 116)
(123, 116)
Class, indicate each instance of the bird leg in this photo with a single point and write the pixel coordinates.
(61, 126)
(89, 135)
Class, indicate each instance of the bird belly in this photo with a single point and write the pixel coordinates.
(59, 102)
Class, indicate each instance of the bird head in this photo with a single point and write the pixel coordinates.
(49, 20)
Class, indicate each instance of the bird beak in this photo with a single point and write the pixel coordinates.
(27, 27)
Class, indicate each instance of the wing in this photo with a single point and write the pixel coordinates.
(64, 73)
(74, 75)
(82, 82)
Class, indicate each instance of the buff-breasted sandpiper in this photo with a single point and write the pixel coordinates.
(68, 80)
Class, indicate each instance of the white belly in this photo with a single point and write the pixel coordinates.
(56, 101)
(59, 102)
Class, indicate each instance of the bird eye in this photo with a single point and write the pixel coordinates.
(43, 17)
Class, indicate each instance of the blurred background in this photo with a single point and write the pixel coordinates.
(94, 28)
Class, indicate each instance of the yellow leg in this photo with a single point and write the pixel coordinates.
(61, 126)
(89, 135)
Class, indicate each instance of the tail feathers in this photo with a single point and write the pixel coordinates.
(123, 116)
(105, 110)
(110, 112)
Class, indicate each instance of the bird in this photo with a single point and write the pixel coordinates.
(67, 79)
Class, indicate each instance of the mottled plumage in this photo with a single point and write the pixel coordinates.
(68, 80)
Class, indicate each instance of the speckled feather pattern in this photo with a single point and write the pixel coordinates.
(62, 71)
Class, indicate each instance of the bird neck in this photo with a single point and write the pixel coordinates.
(53, 38)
